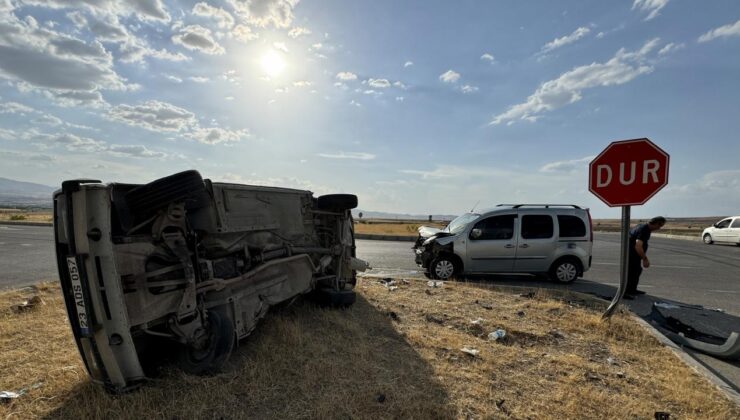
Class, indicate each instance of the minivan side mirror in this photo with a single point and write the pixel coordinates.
(475, 233)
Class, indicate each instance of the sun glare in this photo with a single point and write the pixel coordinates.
(272, 63)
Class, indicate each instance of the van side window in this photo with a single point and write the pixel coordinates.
(723, 224)
(571, 226)
(736, 223)
(537, 226)
(496, 227)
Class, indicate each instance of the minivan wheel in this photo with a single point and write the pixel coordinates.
(564, 271)
(708, 239)
(212, 350)
(443, 268)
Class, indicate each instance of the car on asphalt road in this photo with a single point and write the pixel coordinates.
(726, 230)
(551, 239)
(182, 267)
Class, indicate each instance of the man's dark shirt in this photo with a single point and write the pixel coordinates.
(639, 232)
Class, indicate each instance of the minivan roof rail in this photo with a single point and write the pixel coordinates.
(516, 206)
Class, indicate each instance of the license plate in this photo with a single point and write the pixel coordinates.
(79, 296)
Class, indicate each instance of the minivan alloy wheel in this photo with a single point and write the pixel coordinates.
(566, 272)
(708, 239)
(444, 269)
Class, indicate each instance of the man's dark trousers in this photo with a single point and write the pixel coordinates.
(634, 269)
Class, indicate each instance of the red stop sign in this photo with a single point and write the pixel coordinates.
(628, 172)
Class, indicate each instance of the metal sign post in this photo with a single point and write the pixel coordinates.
(624, 255)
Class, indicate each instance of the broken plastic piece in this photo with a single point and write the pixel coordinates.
(471, 351)
(435, 283)
(27, 304)
(497, 335)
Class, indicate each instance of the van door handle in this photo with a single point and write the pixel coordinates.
(508, 246)
(524, 246)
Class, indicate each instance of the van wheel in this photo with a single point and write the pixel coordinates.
(565, 271)
(708, 239)
(144, 201)
(443, 268)
(208, 355)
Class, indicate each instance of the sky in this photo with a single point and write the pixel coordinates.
(416, 106)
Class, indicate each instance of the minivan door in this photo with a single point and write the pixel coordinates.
(537, 243)
(491, 244)
(735, 230)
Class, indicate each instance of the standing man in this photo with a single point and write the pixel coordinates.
(639, 237)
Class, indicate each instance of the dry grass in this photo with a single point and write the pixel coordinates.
(25, 216)
(305, 362)
(372, 227)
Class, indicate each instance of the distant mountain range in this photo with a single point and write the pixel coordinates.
(24, 194)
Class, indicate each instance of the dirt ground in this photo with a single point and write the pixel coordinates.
(395, 354)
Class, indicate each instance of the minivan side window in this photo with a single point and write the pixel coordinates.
(536, 226)
(571, 226)
(736, 223)
(496, 227)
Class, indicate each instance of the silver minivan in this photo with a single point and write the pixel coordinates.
(552, 239)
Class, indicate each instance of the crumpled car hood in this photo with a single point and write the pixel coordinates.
(428, 231)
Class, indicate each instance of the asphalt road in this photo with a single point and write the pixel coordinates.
(26, 255)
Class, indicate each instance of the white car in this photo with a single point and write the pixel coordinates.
(726, 230)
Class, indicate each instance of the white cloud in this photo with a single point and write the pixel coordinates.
(408, 64)
(223, 19)
(40, 116)
(725, 31)
(347, 155)
(151, 10)
(487, 57)
(137, 151)
(164, 117)
(567, 89)
(469, 89)
(199, 79)
(41, 59)
(196, 37)
(670, 47)
(565, 166)
(450, 76)
(298, 31)
(154, 115)
(71, 142)
(216, 135)
(15, 108)
(172, 78)
(243, 33)
(278, 13)
(379, 83)
(651, 7)
(280, 46)
(565, 40)
(400, 98)
(302, 83)
(346, 76)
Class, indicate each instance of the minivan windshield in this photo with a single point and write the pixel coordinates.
(458, 225)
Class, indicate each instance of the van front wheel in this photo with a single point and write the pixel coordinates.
(443, 268)
(565, 271)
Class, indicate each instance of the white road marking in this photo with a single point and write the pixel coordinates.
(651, 265)
(617, 284)
(8, 228)
(26, 245)
(724, 291)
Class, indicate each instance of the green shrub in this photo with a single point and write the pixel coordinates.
(18, 217)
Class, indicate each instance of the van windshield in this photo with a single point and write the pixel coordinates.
(458, 225)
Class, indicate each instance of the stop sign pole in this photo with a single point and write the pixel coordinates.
(627, 173)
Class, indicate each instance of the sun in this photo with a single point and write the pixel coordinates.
(273, 63)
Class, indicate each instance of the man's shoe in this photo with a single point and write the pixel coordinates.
(637, 292)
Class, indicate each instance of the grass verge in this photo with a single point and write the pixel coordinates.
(395, 354)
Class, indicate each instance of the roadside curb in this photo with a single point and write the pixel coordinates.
(3, 222)
(385, 237)
(679, 352)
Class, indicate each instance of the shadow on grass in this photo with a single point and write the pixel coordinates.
(301, 362)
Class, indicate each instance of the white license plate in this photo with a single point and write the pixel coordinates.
(78, 295)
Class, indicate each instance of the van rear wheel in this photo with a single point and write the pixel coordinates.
(565, 271)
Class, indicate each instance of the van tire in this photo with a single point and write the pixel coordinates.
(565, 270)
(336, 202)
(444, 267)
(144, 201)
(210, 360)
